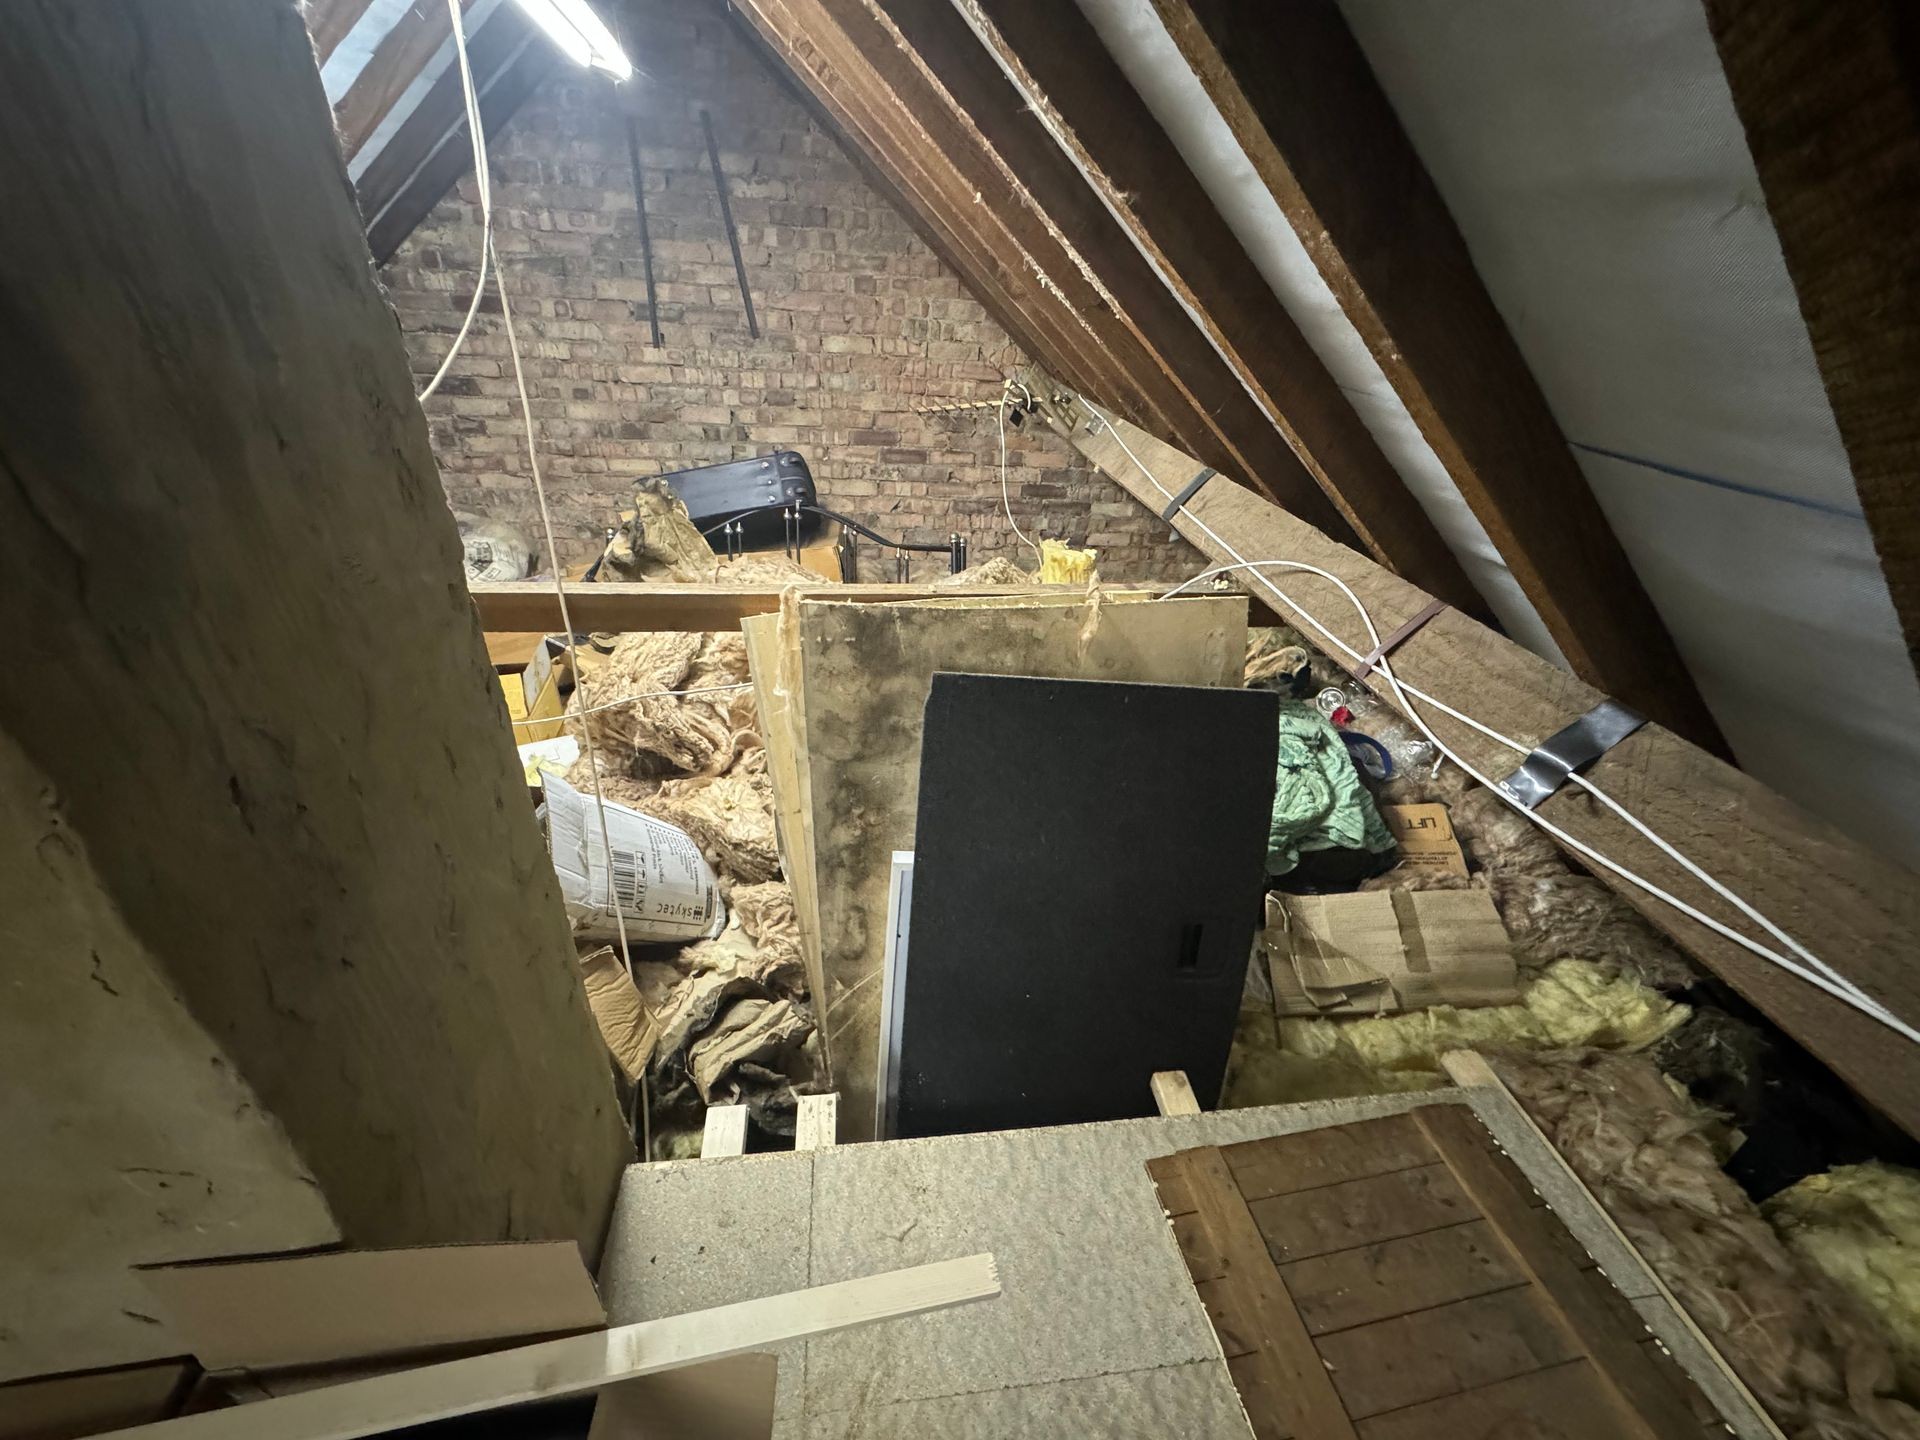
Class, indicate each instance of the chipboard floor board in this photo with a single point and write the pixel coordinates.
(1093, 1287)
(1098, 1329)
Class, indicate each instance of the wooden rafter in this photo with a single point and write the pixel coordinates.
(1856, 908)
(848, 55)
(395, 64)
(1293, 85)
(1063, 79)
(1829, 94)
(430, 149)
(331, 21)
(937, 237)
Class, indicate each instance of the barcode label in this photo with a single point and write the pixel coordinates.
(626, 878)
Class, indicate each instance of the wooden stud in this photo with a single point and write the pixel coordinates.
(1646, 1403)
(1859, 908)
(1066, 90)
(725, 1133)
(1297, 92)
(1828, 92)
(1172, 1095)
(558, 1368)
(817, 1125)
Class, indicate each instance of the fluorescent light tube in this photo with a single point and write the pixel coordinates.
(581, 33)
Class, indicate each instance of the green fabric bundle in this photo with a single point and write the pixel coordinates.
(1318, 800)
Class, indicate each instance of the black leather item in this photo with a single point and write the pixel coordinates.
(755, 490)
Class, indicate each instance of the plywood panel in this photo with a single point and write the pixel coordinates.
(272, 719)
(865, 673)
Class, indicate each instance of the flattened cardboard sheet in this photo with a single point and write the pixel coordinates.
(328, 1306)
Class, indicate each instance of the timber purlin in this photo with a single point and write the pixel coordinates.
(1856, 907)
(1399, 1277)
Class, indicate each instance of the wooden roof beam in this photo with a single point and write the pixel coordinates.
(813, 51)
(926, 53)
(331, 21)
(1859, 909)
(395, 64)
(850, 57)
(1051, 76)
(1295, 88)
(1829, 94)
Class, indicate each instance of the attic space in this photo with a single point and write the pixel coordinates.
(789, 719)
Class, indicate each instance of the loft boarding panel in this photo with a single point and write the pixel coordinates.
(1088, 873)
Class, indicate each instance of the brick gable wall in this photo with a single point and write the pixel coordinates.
(860, 323)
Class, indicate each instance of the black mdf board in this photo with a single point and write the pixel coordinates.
(1089, 868)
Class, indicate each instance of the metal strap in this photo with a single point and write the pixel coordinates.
(1580, 744)
(1207, 472)
(1373, 658)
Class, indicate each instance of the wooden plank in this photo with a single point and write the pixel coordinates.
(1285, 1163)
(934, 67)
(1377, 1282)
(395, 64)
(1264, 1404)
(557, 1368)
(1287, 1368)
(1295, 89)
(1238, 1333)
(1410, 1359)
(1646, 1402)
(531, 604)
(330, 22)
(1170, 1179)
(817, 1125)
(440, 1084)
(1172, 1095)
(1313, 1222)
(1828, 92)
(1470, 1071)
(725, 1132)
(1857, 908)
(1064, 81)
(776, 689)
(1203, 1257)
(866, 670)
(1566, 1402)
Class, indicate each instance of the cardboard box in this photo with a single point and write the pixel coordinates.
(1425, 836)
(531, 686)
(1380, 951)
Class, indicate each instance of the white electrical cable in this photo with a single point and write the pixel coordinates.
(483, 182)
(1820, 975)
(485, 185)
(1006, 394)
